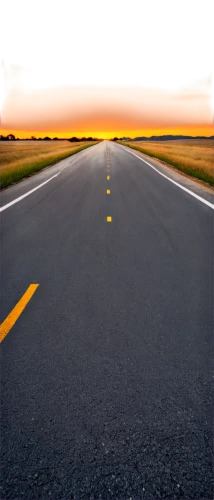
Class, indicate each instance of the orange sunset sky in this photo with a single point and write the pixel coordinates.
(106, 68)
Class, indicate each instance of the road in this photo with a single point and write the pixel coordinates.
(107, 373)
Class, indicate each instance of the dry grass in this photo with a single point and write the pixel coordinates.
(194, 157)
(20, 159)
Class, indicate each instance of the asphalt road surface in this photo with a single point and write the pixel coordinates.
(107, 373)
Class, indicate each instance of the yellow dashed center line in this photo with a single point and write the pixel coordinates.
(108, 191)
(11, 319)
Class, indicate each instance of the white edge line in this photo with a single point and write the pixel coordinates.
(174, 182)
(40, 185)
(26, 194)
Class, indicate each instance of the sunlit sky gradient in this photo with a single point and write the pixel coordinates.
(106, 68)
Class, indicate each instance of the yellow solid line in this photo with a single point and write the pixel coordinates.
(108, 191)
(108, 177)
(109, 219)
(11, 319)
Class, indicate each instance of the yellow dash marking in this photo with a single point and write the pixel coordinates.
(12, 317)
(108, 177)
(108, 191)
(109, 219)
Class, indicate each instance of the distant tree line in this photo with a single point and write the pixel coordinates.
(162, 138)
(11, 137)
(76, 139)
(117, 139)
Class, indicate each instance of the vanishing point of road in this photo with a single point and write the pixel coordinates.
(107, 331)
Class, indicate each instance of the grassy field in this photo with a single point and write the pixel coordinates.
(20, 159)
(194, 157)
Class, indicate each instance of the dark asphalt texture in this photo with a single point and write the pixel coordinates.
(107, 376)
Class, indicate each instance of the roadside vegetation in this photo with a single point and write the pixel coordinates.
(19, 159)
(193, 157)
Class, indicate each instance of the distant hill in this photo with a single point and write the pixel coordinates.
(170, 137)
